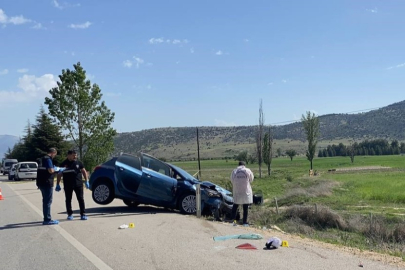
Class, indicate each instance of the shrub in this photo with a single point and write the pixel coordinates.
(318, 217)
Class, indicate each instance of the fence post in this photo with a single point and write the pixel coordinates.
(198, 200)
(275, 199)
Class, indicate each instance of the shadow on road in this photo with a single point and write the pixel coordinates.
(119, 211)
(21, 225)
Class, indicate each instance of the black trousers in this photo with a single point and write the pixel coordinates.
(79, 195)
(245, 212)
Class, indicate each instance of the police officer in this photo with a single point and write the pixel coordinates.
(45, 177)
(72, 181)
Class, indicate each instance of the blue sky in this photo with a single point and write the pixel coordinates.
(204, 63)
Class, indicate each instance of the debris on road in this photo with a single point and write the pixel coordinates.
(246, 246)
(252, 236)
(123, 226)
(273, 243)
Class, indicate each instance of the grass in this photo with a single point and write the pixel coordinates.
(369, 205)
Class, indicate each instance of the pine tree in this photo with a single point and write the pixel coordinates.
(45, 135)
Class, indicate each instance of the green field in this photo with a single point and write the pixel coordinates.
(368, 195)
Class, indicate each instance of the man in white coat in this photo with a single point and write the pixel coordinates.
(241, 178)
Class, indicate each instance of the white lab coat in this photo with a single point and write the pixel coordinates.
(241, 178)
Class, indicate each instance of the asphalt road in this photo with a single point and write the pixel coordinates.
(160, 240)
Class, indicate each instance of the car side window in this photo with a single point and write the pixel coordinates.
(131, 161)
(156, 165)
(32, 166)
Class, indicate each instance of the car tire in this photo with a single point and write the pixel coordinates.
(103, 192)
(131, 203)
(187, 204)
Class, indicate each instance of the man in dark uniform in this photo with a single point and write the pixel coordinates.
(45, 177)
(72, 181)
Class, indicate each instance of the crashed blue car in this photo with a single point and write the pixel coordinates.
(143, 179)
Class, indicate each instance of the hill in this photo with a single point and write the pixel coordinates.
(7, 141)
(180, 143)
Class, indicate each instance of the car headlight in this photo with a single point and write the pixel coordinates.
(212, 193)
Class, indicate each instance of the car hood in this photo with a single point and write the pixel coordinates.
(207, 184)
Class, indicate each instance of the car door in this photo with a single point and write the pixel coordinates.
(128, 171)
(157, 184)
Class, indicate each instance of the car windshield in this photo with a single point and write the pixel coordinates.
(183, 173)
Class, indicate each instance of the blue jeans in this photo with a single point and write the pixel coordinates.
(47, 193)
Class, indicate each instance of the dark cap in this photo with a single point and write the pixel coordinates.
(71, 152)
(242, 163)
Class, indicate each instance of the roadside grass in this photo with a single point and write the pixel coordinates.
(357, 208)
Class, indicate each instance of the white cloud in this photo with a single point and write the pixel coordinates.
(219, 52)
(138, 61)
(127, 63)
(4, 72)
(22, 70)
(397, 66)
(192, 50)
(89, 76)
(375, 10)
(80, 26)
(31, 86)
(64, 5)
(156, 40)
(168, 41)
(38, 26)
(16, 20)
(223, 123)
(284, 81)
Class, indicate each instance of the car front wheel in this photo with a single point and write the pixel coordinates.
(103, 192)
(188, 204)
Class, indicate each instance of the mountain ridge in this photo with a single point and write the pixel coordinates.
(384, 123)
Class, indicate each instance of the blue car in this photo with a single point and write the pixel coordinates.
(143, 179)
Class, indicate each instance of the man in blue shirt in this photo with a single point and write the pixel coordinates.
(45, 178)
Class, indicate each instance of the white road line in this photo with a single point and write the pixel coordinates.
(96, 261)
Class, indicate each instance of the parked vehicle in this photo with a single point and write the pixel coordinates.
(143, 179)
(6, 165)
(12, 172)
(26, 170)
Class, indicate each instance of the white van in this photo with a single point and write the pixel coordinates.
(26, 170)
(7, 163)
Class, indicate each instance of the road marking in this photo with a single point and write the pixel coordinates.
(96, 261)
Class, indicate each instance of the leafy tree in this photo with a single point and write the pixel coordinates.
(268, 150)
(311, 128)
(351, 150)
(259, 139)
(76, 106)
(320, 153)
(242, 156)
(402, 148)
(279, 152)
(47, 134)
(252, 159)
(291, 153)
